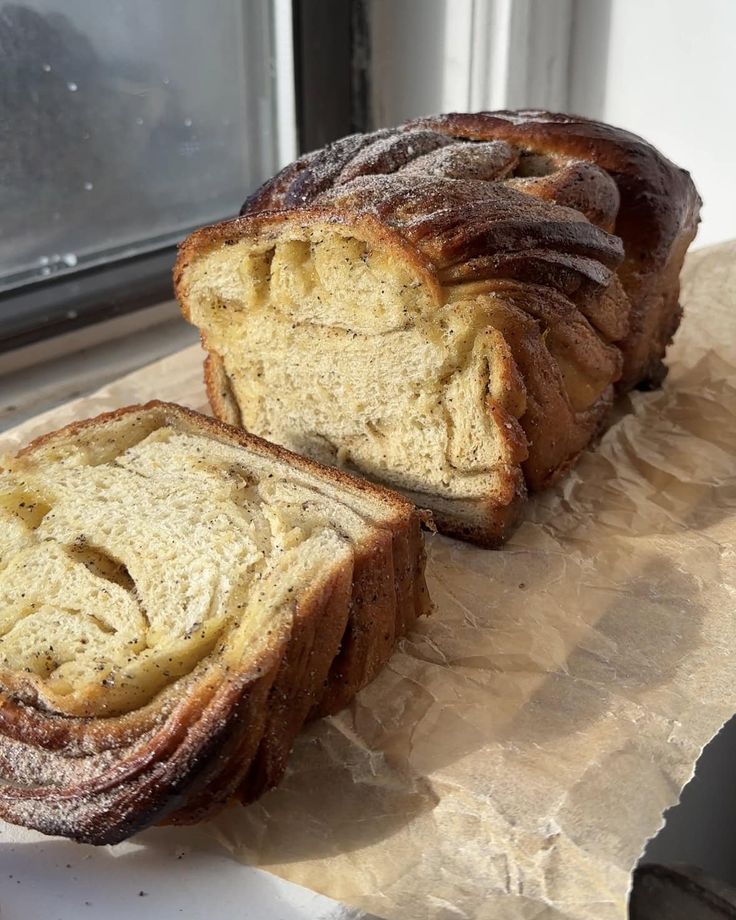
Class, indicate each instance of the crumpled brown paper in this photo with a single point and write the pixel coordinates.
(522, 745)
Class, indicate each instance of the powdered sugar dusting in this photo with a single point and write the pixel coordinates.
(389, 154)
(487, 160)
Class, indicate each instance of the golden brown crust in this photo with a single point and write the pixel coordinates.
(486, 522)
(219, 732)
(545, 332)
(656, 220)
(302, 677)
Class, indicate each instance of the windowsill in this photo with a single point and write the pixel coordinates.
(46, 374)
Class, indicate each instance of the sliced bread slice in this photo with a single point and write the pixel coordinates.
(177, 597)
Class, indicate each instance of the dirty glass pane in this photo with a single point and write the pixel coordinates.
(122, 124)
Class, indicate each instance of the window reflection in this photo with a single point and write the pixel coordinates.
(123, 124)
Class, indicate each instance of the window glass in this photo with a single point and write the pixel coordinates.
(123, 124)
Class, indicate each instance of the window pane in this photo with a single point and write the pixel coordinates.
(122, 124)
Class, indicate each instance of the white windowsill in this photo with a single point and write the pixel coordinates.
(38, 377)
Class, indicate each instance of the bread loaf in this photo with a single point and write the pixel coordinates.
(447, 307)
(177, 597)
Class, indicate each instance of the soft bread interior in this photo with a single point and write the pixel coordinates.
(131, 552)
(336, 347)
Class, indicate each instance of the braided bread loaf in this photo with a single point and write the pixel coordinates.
(448, 306)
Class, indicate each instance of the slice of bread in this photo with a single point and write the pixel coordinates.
(177, 597)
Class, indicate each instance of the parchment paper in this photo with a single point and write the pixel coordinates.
(522, 745)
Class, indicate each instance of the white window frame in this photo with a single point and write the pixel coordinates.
(495, 54)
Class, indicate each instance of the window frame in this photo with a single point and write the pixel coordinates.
(331, 70)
